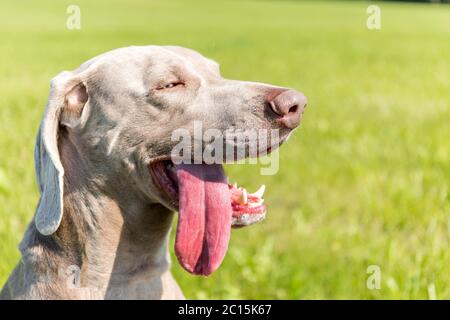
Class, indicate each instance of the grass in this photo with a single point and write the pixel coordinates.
(365, 181)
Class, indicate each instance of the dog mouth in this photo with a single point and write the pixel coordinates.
(208, 207)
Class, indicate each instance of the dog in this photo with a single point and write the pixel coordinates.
(109, 186)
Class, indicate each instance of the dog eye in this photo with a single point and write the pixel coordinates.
(171, 85)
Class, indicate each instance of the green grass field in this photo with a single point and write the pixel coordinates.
(364, 181)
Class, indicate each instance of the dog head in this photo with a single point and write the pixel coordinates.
(125, 112)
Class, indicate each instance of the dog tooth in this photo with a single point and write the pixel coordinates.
(260, 192)
(244, 197)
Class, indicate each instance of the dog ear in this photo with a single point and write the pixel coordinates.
(65, 105)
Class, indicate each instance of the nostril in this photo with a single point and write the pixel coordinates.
(293, 109)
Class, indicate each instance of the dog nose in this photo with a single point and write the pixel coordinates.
(289, 105)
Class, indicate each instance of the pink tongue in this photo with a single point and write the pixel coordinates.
(204, 221)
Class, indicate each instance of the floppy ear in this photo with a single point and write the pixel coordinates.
(65, 104)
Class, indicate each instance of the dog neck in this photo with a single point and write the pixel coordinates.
(112, 245)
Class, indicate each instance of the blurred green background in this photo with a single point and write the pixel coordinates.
(364, 181)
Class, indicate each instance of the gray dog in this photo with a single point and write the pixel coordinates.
(109, 186)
